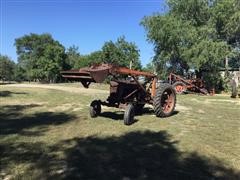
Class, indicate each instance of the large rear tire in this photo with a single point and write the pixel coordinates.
(164, 101)
(179, 87)
(95, 108)
(129, 114)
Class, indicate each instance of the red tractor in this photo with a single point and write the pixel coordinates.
(129, 89)
(182, 85)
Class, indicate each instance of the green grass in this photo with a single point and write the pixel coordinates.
(48, 134)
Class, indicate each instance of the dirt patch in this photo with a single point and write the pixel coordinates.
(201, 111)
(77, 109)
(182, 108)
(235, 101)
(62, 107)
(195, 100)
(19, 102)
(66, 107)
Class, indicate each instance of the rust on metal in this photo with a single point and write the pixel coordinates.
(153, 92)
(98, 73)
(168, 102)
(123, 70)
(181, 85)
(127, 87)
(118, 88)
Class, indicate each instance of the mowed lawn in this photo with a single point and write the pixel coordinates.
(48, 134)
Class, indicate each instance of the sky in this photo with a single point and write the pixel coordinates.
(86, 24)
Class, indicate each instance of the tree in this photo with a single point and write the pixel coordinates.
(225, 18)
(72, 57)
(193, 34)
(149, 68)
(196, 12)
(41, 56)
(7, 67)
(88, 60)
(20, 73)
(121, 53)
(235, 61)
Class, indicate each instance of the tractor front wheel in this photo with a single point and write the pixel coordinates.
(129, 114)
(179, 87)
(95, 108)
(164, 101)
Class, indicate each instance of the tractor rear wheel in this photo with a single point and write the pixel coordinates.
(95, 108)
(129, 114)
(179, 87)
(164, 101)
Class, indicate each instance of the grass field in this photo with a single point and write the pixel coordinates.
(48, 134)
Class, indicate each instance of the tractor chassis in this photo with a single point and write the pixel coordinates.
(127, 90)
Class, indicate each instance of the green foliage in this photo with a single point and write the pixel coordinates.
(194, 11)
(20, 73)
(235, 61)
(121, 53)
(149, 68)
(88, 60)
(225, 18)
(41, 56)
(206, 54)
(72, 56)
(168, 35)
(7, 67)
(194, 34)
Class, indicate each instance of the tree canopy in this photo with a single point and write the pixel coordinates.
(122, 53)
(41, 56)
(7, 68)
(72, 56)
(89, 59)
(194, 34)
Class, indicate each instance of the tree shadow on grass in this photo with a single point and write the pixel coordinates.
(37, 156)
(9, 93)
(139, 155)
(135, 155)
(13, 120)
